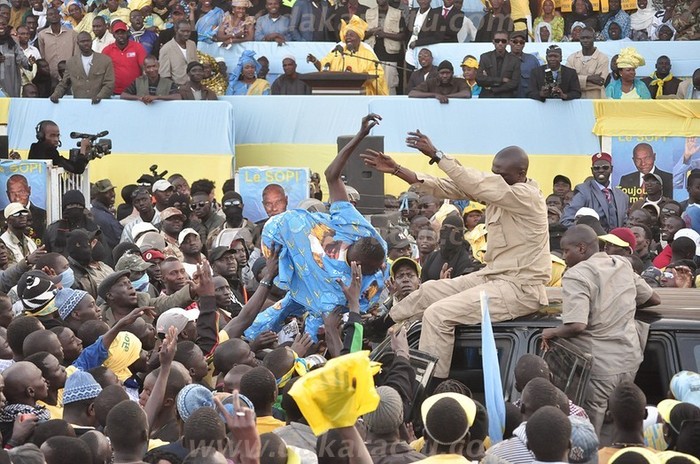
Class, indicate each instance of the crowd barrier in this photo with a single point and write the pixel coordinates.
(685, 56)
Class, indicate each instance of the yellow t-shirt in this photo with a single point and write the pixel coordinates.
(267, 424)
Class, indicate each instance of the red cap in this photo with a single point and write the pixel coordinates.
(119, 26)
(150, 255)
(625, 234)
(602, 156)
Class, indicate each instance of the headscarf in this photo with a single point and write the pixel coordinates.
(243, 3)
(357, 25)
(247, 57)
(124, 350)
(546, 25)
(642, 18)
(655, 34)
(138, 4)
(629, 58)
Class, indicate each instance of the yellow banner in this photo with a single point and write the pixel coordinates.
(650, 118)
(4, 110)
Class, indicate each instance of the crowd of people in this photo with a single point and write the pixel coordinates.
(172, 329)
(147, 50)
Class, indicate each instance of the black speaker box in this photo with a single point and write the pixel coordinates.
(366, 180)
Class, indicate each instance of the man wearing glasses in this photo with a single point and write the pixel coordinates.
(232, 207)
(598, 193)
(499, 71)
(528, 61)
(15, 239)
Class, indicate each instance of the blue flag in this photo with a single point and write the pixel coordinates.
(493, 387)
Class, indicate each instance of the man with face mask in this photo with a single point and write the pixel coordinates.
(79, 247)
(232, 206)
(137, 268)
(74, 217)
(453, 254)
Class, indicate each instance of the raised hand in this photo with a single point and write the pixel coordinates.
(352, 291)
(368, 122)
(421, 142)
(241, 425)
(379, 161)
(445, 272)
(302, 343)
(168, 348)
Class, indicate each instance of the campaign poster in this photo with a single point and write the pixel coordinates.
(250, 182)
(671, 158)
(26, 182)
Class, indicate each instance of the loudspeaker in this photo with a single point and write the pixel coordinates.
(367, 181)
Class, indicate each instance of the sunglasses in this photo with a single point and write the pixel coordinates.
(670, 211)
(518, 42)
(501, 41)
(601, 168)
(228, 204)
(20, 214)
(201, 204)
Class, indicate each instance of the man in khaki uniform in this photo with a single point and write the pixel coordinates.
(591, 65)
(600, 296)
(517, 258)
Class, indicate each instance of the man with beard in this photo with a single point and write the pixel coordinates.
(88, 269)
(15, 239)
(174, 275)
(101, 210)
(232, 206)
(171, 224)
(141, 200)
(224, 263)
(226, 302)
(443, 87)
(202, 207)
(454, 257)
(191, 248)
(74, 217)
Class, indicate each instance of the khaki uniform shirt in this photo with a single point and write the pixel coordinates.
(597, 63)
(516, 221)
(603, 292)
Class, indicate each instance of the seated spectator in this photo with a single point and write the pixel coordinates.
(469, 69)
(554, 80)
(306, 24)
(543, 32)
(617, 16)
(142, 34)
(115, 11)
(629, 87)
(662, 83)
(454, 257)
(289, 82)
(243, 80)
(151, 86)
(424, 72)
(272, 27)
(236, 25)
(642, 20)
(194, 90)
(689, 89)
(620, 241)
(443, 87)
(614, 32)
(210, 16)
(549, 15)
(30, 91)
(665, 33)
(581, 12)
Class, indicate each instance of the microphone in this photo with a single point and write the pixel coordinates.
(79, 135)
(338, 49)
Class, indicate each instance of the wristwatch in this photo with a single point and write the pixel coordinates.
(439, 155)
(266, 283)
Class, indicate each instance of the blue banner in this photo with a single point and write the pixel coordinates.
(24, 182)
(250, 182)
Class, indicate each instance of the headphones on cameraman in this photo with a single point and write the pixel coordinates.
(39, 129)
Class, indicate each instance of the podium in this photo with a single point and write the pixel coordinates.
(336, 82)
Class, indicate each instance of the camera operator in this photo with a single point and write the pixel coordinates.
(553, 80)
(48, 138)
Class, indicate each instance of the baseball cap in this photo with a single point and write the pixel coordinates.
(109, 281)
(403, 260)
(14, 208)
(175, 317)
(621, 236)
(602, 156)
(691, 234)
(665, 407)
(104, 185)
(119, 26)
(466, 403)
(652, 176)
(184, 233)
(150, 255)
(587, 212)
(170, 212)
(515, 34)
(397, 239)
(561, 178)
(131, 262)
(161, 185)
(473, 206)
(217, 253)
(141, 228)
(151, 241)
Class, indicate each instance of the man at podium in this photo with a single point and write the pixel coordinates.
(353, 55)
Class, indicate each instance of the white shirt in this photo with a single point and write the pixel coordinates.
(13, 244)
(99, 44)
(87, 63)
(417, 25)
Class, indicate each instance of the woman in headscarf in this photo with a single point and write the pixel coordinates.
(642, 20)
(12, 58)
(210, 17)
(543, 32)
(243, 80)
(213, 78)
(576, 29)
(628, 87)
(581, 11)
(549, 15)
(75, 16)
(236, 26)
(357, 57)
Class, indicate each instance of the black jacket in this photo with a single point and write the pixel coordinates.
(44, 151)
(567, 80)
(491, 82)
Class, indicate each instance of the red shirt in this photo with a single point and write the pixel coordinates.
(127, 63)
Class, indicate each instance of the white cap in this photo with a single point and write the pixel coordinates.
(691, 234)
(587, 212)
(161, 185)
(184, 233)
(190, 314)
(141, 228)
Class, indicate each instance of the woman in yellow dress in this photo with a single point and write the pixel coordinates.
(236, 26)
(78, 19)
(355, 57)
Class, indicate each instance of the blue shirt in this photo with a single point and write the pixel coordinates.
(92, 356)
(312, 259)
(266, 25)
(528, 62)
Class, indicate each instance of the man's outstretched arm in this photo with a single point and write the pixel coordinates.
(336, 188)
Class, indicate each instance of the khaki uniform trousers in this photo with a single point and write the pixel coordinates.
(598, 391)
(444, 304)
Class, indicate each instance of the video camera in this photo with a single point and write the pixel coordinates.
(549, 78)
(99, 149)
